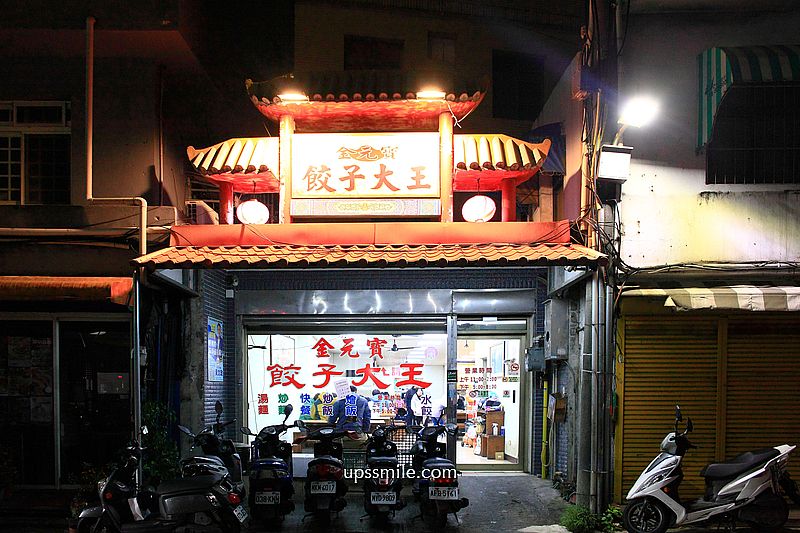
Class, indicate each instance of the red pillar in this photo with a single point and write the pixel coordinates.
(226, 203)
(509, 207)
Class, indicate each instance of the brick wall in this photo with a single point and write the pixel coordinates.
(218, 307)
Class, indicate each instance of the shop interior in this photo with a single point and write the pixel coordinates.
(305, 369)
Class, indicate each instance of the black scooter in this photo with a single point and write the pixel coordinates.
(217, 452)
(270, 473)
(436, 485)
(325, 487)
(206, 503)
(383, 484)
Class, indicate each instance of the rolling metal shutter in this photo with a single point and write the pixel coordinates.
(763, 401)
(736, 376)
(667, 361)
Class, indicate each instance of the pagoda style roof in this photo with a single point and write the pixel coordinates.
(368, 100)
(481, 162)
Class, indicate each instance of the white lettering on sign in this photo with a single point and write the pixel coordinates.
(380, 165)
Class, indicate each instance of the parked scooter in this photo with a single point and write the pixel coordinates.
(748, 488)
(325, 487)
(382, 487)
(206, 503)
(217, 451)
(436, 485)
(270, 473)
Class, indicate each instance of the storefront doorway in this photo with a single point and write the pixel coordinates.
(64, 396)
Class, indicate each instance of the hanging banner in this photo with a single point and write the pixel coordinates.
(215, 350)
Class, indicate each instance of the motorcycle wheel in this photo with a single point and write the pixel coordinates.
(768, 514)
(646, 515)
(440, 520)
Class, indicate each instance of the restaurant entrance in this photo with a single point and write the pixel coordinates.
(309, 362)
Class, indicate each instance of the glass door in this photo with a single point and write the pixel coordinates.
(490, 400)
(94, 359)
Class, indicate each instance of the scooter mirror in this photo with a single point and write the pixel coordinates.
(287, 411)
(689, 425)
(246, 431)
(218, 407)
(678, 415)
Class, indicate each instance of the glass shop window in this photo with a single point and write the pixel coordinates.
(311, 372)
(27, 447)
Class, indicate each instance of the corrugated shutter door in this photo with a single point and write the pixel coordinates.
(668, 361)
(763, 402)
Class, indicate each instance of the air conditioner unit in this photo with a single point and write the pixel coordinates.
(556, 329)
(199, 212)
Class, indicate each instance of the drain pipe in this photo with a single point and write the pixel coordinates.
(594, 394)
(130, 200)
(133, 200)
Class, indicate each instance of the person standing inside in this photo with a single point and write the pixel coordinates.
(418, 406)
(407, 396)
(352, 413)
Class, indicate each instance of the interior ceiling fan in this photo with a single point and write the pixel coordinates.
(396, 348)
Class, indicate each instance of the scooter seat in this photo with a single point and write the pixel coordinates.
(326, 459)
(739, 464)
(382, 462)
(268, 462)
(189, 484)
(210, 459)
(439, 463)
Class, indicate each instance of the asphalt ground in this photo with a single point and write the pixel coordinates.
(499, 502)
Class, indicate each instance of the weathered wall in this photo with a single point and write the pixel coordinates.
(669, 215)
(319, 46)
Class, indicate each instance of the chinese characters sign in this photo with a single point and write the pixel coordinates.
(387, 165)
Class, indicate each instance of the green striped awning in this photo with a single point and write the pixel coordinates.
(723, 67)
(742, 297)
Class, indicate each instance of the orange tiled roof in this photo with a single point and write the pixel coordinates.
(365, 100)
(252, 163)
(371, 256)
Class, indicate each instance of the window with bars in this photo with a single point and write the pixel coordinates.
(35, 152)
(756, 136)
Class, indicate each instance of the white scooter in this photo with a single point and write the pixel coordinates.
(748, 488)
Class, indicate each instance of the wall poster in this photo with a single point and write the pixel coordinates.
(215, 350)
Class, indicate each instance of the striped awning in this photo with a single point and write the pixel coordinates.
(742, 297)
(723, 67)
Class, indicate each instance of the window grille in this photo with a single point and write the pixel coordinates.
(756, 136)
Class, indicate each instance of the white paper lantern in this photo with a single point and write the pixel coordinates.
(479, 208)
(252, 212)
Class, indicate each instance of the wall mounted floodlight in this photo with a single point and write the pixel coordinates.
(637, 112)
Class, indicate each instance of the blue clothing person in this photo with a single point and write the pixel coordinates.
(351, 413)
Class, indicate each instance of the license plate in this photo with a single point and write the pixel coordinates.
(240, 512)
(443, 493)
(383, 498)
(323, 487)
(268, 498)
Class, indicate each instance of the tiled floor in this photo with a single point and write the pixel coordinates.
(465, 457)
